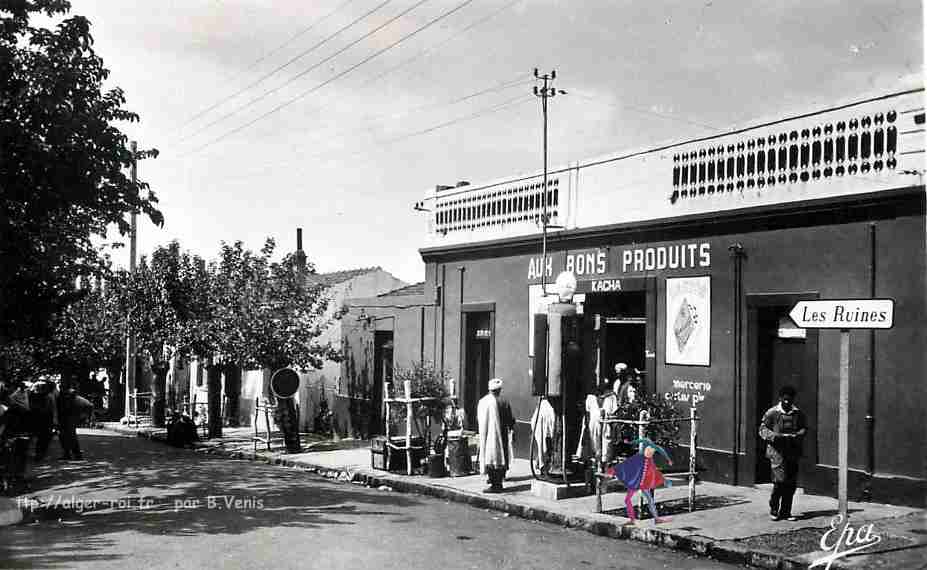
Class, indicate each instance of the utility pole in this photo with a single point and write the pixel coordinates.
(545, 92)
(130, 333)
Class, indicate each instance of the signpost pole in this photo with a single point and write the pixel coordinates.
(843, 422)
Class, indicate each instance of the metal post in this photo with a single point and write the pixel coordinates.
(408, 399)
(386, 450)
(843, 423)
(644, 417)
(130, 333)
(693, 445)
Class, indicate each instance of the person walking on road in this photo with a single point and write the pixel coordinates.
(495, 422)
(783, 427)
(72, 410)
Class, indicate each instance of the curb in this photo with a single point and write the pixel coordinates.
(601, 525)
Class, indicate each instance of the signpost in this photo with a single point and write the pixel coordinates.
(844, 314)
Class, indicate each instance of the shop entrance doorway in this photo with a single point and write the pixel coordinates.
(618, 331)
(382, 373)
(477, 361)
(783, 355)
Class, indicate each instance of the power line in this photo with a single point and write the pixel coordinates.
(478, 114)
(441, 44)
(494, 108)
(338, 76)
(298, 35)
(280, 68)
(641, 110)
(369, 120)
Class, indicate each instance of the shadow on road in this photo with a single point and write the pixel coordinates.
(133, 485)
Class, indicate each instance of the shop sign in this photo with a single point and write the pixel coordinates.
(600, 262)
(483, 333)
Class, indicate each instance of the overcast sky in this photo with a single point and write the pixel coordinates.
(273, 115)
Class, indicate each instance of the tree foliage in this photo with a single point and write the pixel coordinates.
(266, 313)
(64, 170)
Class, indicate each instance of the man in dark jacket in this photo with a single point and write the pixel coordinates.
(783, 427)
(72, 410)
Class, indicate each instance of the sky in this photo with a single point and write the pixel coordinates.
(337, 115)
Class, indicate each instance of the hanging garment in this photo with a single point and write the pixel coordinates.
(543, 421)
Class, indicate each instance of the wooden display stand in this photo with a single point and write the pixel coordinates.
(409, 402)
(266, 438)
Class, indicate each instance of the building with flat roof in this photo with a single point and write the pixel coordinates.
(688, 258)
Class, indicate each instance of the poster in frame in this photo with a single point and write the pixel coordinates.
(688, 321)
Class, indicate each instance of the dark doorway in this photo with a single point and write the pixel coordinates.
(785, 355)
(477, 361)
(620, 335)
(382, 372)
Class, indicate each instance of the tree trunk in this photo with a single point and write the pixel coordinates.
(158, 389)
(214, 398)
(116, 406)
(287, 418)
(233, 393)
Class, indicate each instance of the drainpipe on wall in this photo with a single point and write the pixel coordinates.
(870, 408)
(737, 253)
(443, 289)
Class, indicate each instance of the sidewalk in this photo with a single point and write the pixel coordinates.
(728, 523)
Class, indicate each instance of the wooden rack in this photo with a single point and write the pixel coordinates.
(642, 424)
(409, 402)
(133, 416)
(267, 438)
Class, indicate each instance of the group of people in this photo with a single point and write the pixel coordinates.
(32, 413)
(783, 427)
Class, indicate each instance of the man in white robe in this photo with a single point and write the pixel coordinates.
(496, 422)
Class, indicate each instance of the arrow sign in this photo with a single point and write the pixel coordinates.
(844, 314)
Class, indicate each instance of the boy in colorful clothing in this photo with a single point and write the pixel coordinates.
(783, 427)
(640, 473)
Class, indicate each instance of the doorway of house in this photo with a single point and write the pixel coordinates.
(785, 356)
(477, 361)
(382, 372)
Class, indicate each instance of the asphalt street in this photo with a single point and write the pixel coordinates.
(139, 504)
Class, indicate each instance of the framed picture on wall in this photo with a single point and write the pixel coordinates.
(688, 321)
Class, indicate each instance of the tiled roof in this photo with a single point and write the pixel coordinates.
(414, 289)
(335, 277)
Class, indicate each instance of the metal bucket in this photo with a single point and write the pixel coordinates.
(458, 456)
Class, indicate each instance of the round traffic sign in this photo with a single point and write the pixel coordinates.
(284, 383)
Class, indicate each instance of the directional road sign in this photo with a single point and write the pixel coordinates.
(844, 314)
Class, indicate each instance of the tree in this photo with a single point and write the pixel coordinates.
(89, 335)
(165, 299)
(63, 173)
(265, 315)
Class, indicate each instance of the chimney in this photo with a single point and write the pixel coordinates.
(300, 256)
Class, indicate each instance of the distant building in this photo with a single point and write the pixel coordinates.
(369, 327)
